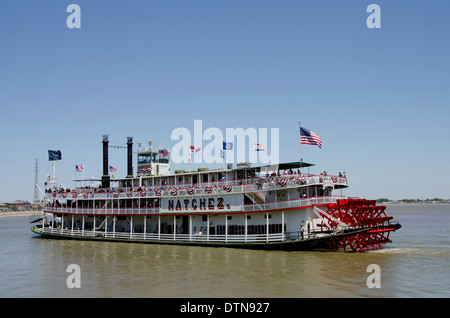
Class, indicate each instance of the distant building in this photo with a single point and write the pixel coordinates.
(17, 205)
(37, 205)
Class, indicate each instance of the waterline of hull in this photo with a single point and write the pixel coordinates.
(316, 243)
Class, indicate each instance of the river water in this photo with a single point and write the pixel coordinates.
(414, 265)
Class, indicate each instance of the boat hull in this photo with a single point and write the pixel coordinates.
(308, 244)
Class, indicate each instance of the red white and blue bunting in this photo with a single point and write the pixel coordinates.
(191, 190)
(144, 171)
(208, 189)
(227, 188)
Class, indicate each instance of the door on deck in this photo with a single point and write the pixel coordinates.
(185, 224)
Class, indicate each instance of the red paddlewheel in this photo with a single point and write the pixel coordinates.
(357, 214)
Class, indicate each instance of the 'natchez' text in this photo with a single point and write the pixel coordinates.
(200, 204)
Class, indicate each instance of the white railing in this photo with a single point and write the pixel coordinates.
(104, 211)
(193, 238)
(253, 207)
(218, 187)
(289, 204)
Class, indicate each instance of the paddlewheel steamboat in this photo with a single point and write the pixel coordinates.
(256, 207)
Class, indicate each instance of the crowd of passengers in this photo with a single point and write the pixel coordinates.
(251, 176)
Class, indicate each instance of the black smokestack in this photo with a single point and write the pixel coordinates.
(130, 157)
(105, 177)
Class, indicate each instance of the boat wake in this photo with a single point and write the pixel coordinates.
(397, 250)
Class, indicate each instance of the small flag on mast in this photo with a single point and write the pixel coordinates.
(163, 153)
(112, 169)
(79, 168)
(307, 137)
(54, 155)
(194, 148)
(259, 147)
(227, 145)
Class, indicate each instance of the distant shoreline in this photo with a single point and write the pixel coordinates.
(408, 203)
(19, 213)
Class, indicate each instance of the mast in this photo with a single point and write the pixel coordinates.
(300, 144)
(54, 169)
(83, 175)
(36, 181)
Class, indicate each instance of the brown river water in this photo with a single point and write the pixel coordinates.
(414, 265)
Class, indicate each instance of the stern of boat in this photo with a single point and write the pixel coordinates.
(352, 215)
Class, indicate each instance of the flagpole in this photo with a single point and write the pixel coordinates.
(83, 173)
(300, 143)
(223, 159)
(47, 176)
(54, 170)
(189, 161)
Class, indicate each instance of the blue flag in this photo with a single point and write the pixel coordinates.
(227, 145)
(54, 155)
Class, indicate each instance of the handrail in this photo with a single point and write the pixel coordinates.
(193, 238)
(289, 204)
(249, 238)
(251, 207)
(217, 187)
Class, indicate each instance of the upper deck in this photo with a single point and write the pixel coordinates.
(158, 187)
(153, 179)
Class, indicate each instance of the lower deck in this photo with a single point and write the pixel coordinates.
(261, 227)
(311, 242)
(350, 224)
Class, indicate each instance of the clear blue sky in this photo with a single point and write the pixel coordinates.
(378, 98)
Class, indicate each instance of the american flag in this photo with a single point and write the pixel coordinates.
(195, 148)
(79, 168)
(163, 152)
(112, 169)
(259, 147)
(307, 137)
